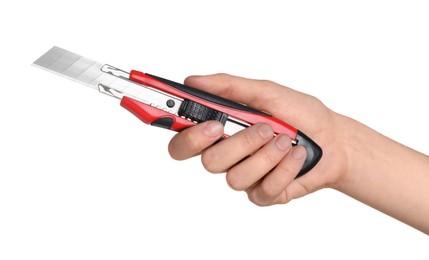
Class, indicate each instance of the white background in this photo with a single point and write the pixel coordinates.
(81, 178)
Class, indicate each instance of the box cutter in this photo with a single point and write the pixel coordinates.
(164, 103)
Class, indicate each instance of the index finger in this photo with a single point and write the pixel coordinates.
(255, 93)
(193, 140)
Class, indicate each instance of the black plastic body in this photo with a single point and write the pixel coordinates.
(314, 152)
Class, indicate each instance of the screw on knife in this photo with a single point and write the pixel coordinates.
(170, 103)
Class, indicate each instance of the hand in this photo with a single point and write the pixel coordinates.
(267, 175)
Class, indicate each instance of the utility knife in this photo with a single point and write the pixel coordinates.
(164, 103)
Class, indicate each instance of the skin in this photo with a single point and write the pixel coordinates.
(383, 174)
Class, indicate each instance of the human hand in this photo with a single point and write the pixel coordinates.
(256, 162)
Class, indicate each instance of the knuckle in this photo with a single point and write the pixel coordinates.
(180, 146)
(189, 138)
(269, 158)
(222, 75)
(267, 191)
(265, 82)
(307, 189)
(228, 89)
(173, 153)
(252, 197)
(260, 203)
(210, 161)
(257, 203)
(286, 170)
(248, 139)
(284, 197)
(234, 181)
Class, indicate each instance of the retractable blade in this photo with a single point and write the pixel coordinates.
(102, 77)
(167, 104)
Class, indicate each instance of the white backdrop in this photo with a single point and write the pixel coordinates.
(81, 178)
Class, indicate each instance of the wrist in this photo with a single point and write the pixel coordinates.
(367, 153)
(352, 141)
(384, 174)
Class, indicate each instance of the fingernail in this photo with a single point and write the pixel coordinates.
(283, 142)
(265, 131)
(298, 152)
(213, 129)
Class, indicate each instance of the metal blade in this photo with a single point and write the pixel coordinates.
(104, 78)
(74, 67)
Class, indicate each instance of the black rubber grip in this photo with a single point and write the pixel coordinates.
(200, 113)
(314, 152)
(165, 122)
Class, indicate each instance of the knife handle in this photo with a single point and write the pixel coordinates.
(199, 106)
(155, 116)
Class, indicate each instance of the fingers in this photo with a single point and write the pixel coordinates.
(193, 140)
(272, 189)
(256, 93)
(225, 154)
(263, 165)
(248, 172)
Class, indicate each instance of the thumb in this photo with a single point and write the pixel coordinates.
(259, 94)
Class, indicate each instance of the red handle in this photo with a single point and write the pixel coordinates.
(202, 106)
(238, 111)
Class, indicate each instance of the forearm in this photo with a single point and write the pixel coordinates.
(386, 175)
